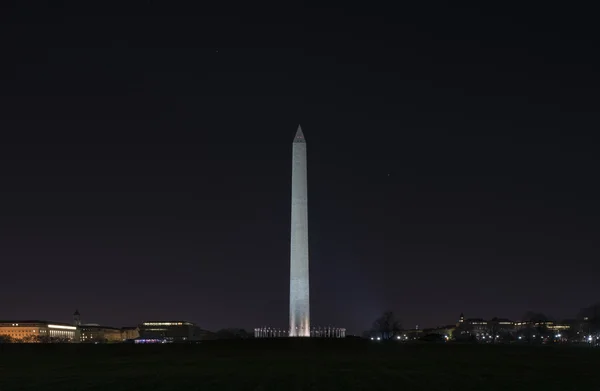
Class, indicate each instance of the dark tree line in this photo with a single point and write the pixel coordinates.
(233, 333)
(387, 326)
(33, 339)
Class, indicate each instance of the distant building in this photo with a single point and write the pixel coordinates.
(92, 333)
(492, 330)
(129, 333)
(95, 333)
(501, 326)
(550, 325)
(171, 331)
(412, 334)
(38, 331)
(501, 329)
(476, 326)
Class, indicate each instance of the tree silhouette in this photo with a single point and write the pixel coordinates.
(387, 326)
(233, 334)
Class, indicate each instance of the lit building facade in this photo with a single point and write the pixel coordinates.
(481, 329)
(38, 331)
(499, 329)
(99, 334)
(129, 333)
(548, 325)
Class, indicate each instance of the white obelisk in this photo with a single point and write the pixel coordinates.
(299, 291)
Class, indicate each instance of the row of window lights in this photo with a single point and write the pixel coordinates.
(397, 337)
(165, 324)
(24, 331)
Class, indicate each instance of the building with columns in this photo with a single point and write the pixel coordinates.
(38, 331)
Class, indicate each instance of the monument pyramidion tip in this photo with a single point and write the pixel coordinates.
(299, 138)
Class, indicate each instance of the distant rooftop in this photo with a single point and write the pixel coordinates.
(97, 326)
(37, 323)
(23, 322)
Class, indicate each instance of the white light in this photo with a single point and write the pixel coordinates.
(520, 337)
(378, 338)
(55, 326)
(398, 337)
(372, 338)
(557, 335)
(497, 336)
(534, 336)
(484, 337)
(590, 338)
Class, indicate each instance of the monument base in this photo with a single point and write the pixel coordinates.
(315, 332)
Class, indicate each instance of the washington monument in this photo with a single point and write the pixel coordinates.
(299, 288)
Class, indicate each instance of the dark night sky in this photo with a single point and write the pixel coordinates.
(145, 162)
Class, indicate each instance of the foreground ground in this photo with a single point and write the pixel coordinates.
(297, 365)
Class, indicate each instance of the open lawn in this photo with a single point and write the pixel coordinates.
(297, 365)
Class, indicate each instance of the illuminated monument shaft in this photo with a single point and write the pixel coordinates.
(299, 288)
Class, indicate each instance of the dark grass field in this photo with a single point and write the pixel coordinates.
(298, 365)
